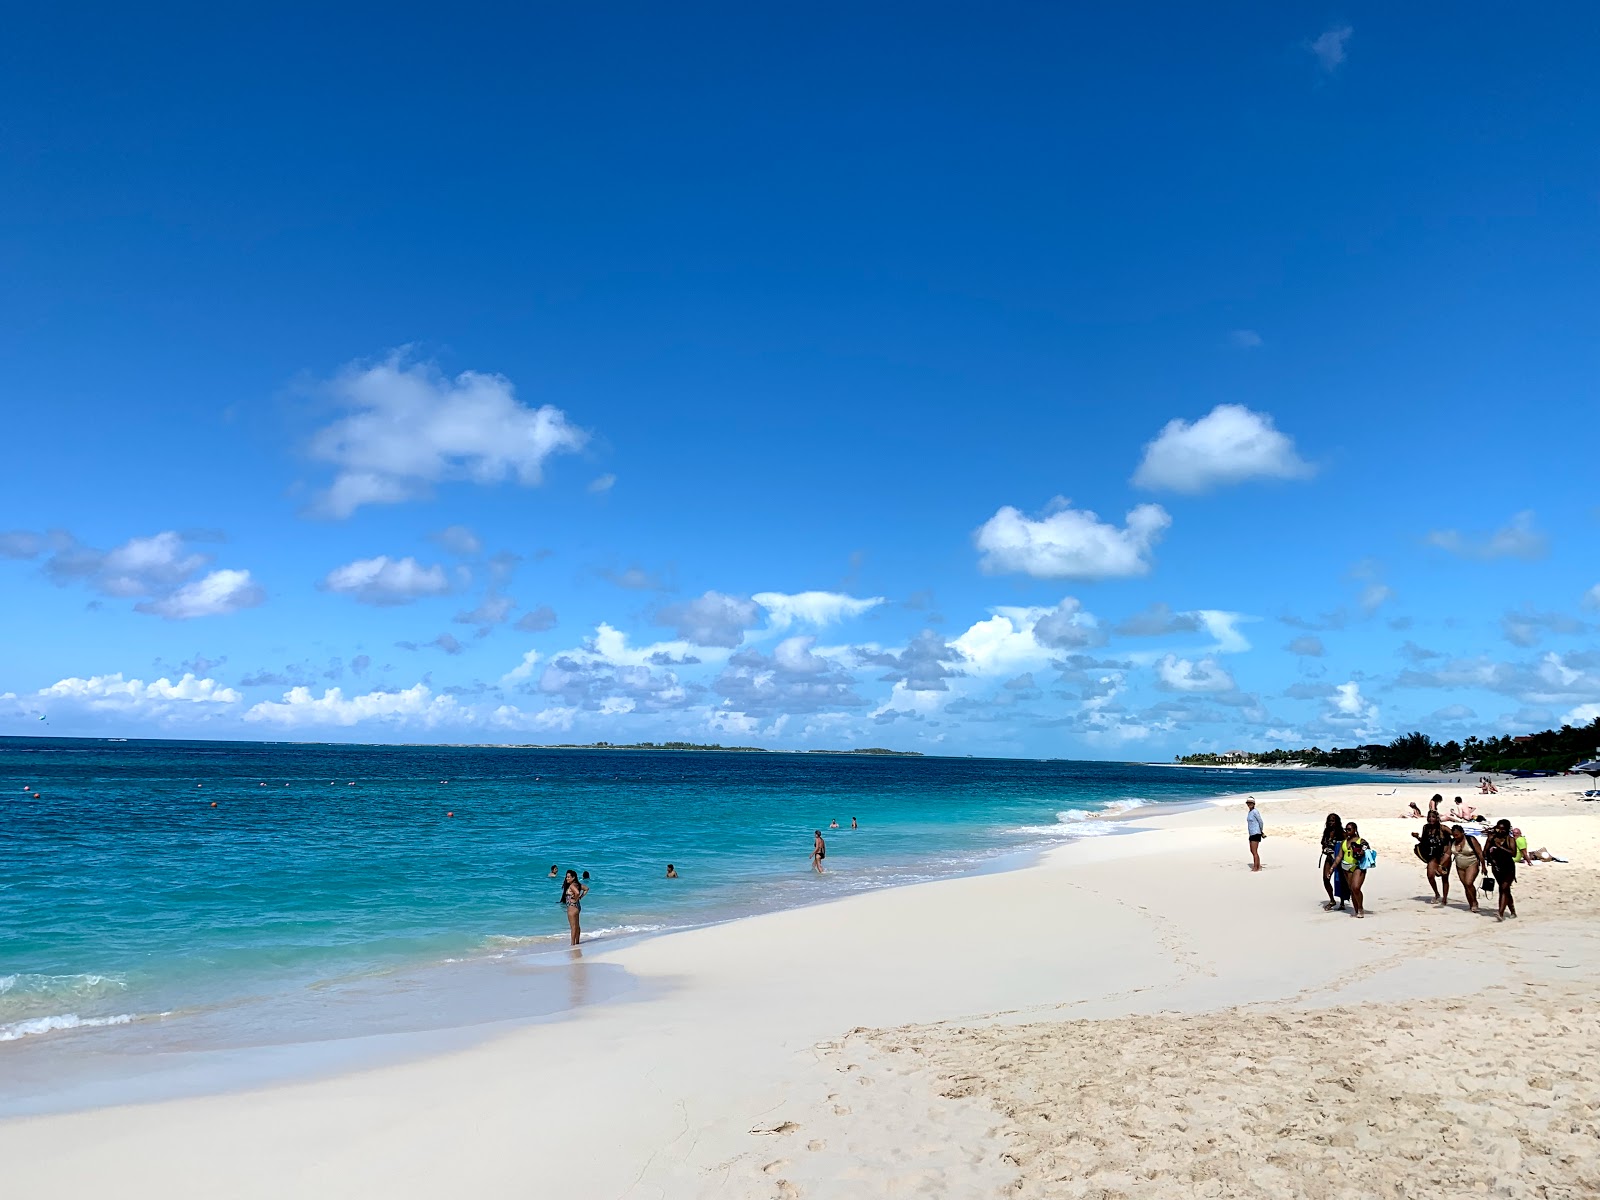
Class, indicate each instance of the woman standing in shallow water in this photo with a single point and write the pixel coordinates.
(572, 893)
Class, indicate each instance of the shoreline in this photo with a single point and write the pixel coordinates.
(762, 1025)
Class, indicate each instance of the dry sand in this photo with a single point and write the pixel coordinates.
(1135, 1016)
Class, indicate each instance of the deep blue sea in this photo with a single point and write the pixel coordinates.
(154, 881)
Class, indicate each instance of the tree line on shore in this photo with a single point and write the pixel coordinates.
(1551, 750)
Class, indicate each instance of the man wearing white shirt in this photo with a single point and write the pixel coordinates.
(1257, 830)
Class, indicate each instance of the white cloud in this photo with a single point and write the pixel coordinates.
(1350, 713)
(602, 484)
(523, 669)
(1174, 674)
(1245, 339)
(1069, 543)
(1228, 445)
(1516, 539)
(216, 594)
(409, 427)
(1328, 47)
(1067, 626)
(812, 608)
(113, 693)
(714, 619)
(1224, 627)
(1582, 715)
(415, 705)
(1591, 598)
(386, 581)
(492, 610)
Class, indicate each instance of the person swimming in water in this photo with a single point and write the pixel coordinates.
(672, 871)
(819, 851)
(853, 824)
(555, 871)
(572, 893)
(833, 824)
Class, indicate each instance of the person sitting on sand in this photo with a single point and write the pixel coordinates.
(672, 871)
(1462, 812)
(1468, 858)
(1500, 851)
(1415, 814)
(819, 851)
(1433, 848)
(1352, 859)
(1332, 835)
(1433, 804)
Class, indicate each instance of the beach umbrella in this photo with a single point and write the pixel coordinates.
(1591, 769)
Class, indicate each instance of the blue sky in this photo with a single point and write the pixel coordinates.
(1033, 381)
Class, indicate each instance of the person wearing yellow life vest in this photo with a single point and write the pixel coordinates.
(1355, 856)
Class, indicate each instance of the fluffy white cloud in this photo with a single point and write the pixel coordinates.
(114, 693)
(714, 619)
(216, 594)
(1517, 538)
(1591, 598)
(1228, 445)
(385, 581)
(1069, 543)
(1174, 674)
(409, 427)
(415, 705)
(1224, 627)
(1067, 626)
(812, 608)
(1351, 713)
(1581, 715)
(1328, 47)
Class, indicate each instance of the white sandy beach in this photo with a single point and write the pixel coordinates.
(1134, 1016)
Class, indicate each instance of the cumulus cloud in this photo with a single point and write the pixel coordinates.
(158, 700)
(714, 619)
(812, 608)
(1069, 543)
(1174, 674)
(1068, 626)
(416, 705)
(536, 620)
(1582, 715)
(409, 427)
(792, 679)
(1517, 538)
(1230, 444)
(923, 666)
(387, 581)
(216, 594)
(1352, 713)
(158, 570)
(1328, 47)
(1308, 646)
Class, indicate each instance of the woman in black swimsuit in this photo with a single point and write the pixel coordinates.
(819, 851)
(572, 893)
(1433, 848)
(1500, 849)
(1332, 835)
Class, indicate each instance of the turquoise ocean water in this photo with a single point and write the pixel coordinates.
(335, 873)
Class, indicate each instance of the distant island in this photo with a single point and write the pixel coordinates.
(1551, 750)
(716, 747)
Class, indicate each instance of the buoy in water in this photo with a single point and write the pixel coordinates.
(449, 814)
(213, 804)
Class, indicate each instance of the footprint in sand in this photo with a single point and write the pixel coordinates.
(785, 1127)
(816, 1144)
(841, 1110)
(787, 1190)
(776, 1165)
